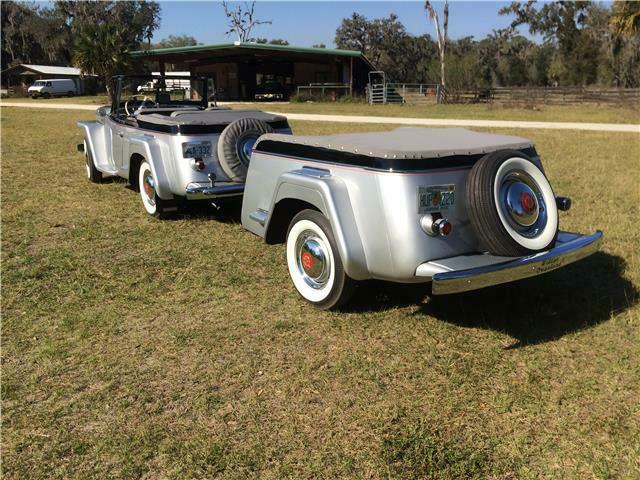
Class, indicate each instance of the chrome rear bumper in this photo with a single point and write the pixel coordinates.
(198, 191)
(570, 247)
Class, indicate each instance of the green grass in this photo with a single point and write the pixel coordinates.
(80, 99)
(179, 349)
(542, 113)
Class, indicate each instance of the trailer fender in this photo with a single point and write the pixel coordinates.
(330, 196)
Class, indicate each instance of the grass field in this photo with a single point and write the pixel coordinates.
(542, 113)
(82, 99)
(135, 348)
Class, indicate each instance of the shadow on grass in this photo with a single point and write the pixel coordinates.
(532, 311)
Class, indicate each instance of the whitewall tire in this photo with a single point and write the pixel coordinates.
(511, 205)
(314, 262)
(153, 205)
(534, 237)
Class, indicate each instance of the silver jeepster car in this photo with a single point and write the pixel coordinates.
(457, 208)
(161, 135)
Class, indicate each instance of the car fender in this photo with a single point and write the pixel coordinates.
(331, 197)
(95, 138)
(149, 148)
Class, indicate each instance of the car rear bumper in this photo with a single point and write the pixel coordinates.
(199, 191)
(490, 270)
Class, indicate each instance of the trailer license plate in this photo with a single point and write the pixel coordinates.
(196, 149)
(436, 198)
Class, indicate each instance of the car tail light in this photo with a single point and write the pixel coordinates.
(198, 164)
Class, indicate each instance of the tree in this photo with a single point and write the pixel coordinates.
(319, 45)
(625, 18)
(174, 41)
(278, 41)
(106, 32)
(561, 23)
(242, 20)
(31, 34)
(98, 51)
(378, 39)
(441, 33)
(275, 41)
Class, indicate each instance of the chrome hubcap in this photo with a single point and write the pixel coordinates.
(313, 259)
(523, 203)
(245, 146)
(148, 186)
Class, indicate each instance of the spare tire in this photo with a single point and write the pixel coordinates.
(511, 205)
(235, 144)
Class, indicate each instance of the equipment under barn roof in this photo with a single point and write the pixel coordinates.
(250, 71)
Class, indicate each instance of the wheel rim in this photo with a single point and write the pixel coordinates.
(523, 204)
(313, 259)
(245, 147)
(310, 259)
(148, 187)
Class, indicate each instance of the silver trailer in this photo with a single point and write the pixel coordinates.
(170, 144)
(460, 209)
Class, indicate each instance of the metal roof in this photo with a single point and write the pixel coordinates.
(247, 46)
(51, 70)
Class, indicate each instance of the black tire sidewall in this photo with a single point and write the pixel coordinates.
(482, 207)
(343, 286)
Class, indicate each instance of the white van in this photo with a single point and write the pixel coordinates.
(53, 88)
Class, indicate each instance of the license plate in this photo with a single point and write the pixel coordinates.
(436, 198)
(196, 149)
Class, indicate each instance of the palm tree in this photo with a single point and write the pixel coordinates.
(101, 50)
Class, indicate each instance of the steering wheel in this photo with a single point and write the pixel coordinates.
(145, 100)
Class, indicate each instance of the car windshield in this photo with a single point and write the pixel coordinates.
(38, 83)
(148, 92)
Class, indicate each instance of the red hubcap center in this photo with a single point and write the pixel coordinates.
(307, 261)
(528, 202)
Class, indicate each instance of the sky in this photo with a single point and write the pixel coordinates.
(305, 23)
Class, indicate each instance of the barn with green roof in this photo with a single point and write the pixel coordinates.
(249, 71)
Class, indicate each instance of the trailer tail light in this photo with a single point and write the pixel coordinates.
(434, 225)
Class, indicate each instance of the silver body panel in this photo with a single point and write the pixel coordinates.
(113, 144)
(374, 217)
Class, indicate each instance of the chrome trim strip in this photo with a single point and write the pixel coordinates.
(524, 267)
(196, 191)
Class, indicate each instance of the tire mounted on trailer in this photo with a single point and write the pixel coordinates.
(511, 205)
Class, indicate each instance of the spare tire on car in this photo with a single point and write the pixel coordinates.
(511, 205)
(236, 143)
